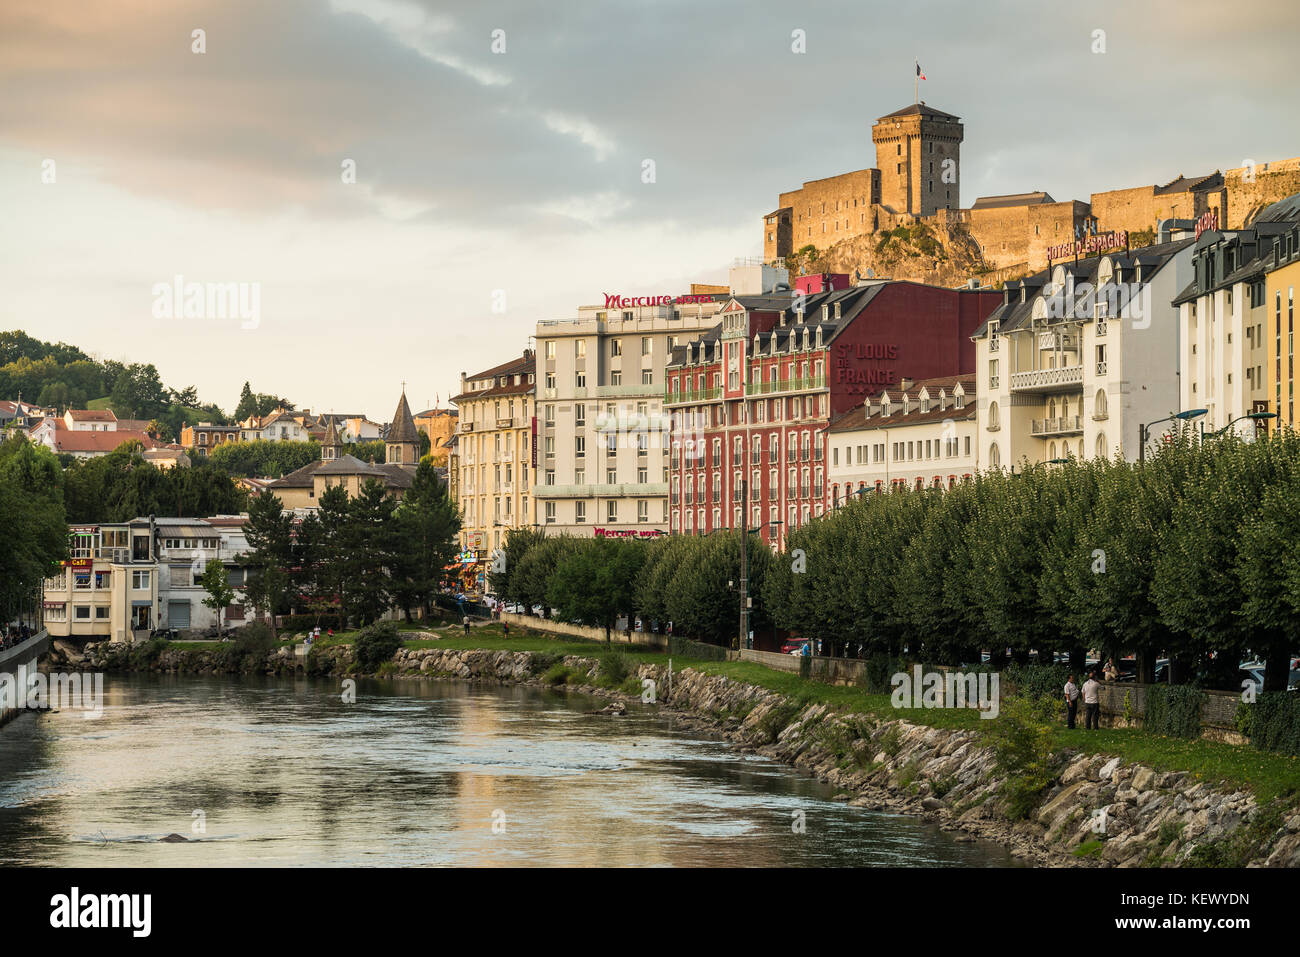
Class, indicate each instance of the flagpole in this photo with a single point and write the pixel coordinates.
(916, 82)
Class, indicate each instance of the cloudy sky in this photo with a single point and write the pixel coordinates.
(515, 177)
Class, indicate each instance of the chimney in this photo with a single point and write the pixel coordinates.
(907, 383)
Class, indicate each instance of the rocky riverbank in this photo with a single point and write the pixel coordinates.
(1098, 811)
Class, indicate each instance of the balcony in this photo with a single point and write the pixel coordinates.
(1047, 380)
(467, 426)
(687, 396)
(799, 384)
(1061, 425)
(505, 422)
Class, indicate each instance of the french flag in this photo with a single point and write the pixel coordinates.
(918, 70)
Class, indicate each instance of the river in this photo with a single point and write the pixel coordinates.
(283, 772)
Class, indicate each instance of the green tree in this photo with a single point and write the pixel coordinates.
(33, 530)
(595, 584)
(427, 522)
(269, 531)
(368, 552)
(215, 580)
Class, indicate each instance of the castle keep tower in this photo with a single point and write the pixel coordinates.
(912, 147)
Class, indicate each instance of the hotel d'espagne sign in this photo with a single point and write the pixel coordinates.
(1096, 243)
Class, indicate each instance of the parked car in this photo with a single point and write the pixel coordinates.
(794, 646)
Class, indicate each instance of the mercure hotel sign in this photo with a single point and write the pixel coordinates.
(630, 302)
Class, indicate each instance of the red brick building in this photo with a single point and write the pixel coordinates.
(751, 399)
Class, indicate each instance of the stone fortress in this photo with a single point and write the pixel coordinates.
(917, 180)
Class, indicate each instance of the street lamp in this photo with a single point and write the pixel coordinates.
(1145, 429)
(1256, 416)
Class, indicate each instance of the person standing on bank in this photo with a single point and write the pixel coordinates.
(1092, 703)
(1071, 701)
(466, 624)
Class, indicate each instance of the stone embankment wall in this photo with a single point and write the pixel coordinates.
(1127, 814)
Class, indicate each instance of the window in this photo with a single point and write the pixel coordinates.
(579, 512)
(579, 415)
(550, 349)
(81, 612)
(550, 512)
(580, 380)
(615, 347)
(611, 511)
(645, 345)
(580, 349)
(616, 377)
(550, 380)
(647, 377)
(140, 580)
(549, 416)
(579, 446)
(642, 510)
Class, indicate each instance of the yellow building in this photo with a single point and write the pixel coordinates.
(494, 454)
(1281, 280)
(439, 425)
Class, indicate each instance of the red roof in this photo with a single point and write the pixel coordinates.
(92, 415)
(66, 440)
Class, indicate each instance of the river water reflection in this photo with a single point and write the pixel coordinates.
(281, 772)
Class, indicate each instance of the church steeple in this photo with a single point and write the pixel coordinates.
(330, 446)
(402, 447)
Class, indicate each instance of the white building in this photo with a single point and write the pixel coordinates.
(1224, 318)
(603, 462)
(1078, 357)
(920, 436)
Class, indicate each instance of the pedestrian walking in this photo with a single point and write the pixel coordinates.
(1092, 703)
(466, 624)
(1071, 701)
(505, 629)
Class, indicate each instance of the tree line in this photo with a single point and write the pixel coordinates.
(1194, 556)
(121, 486)
(353, 558)
(688, 580)
(33, 527)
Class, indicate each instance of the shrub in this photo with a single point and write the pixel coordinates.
(879, 672)
(891, 742)
(778, 718)
(247, 648)
(1174, 710)
(1036, 681)
(542, 661)
(1273, 722)
(1024, 743)
(376, 644)
(614, 667)
(556, 674)
(145, 655)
